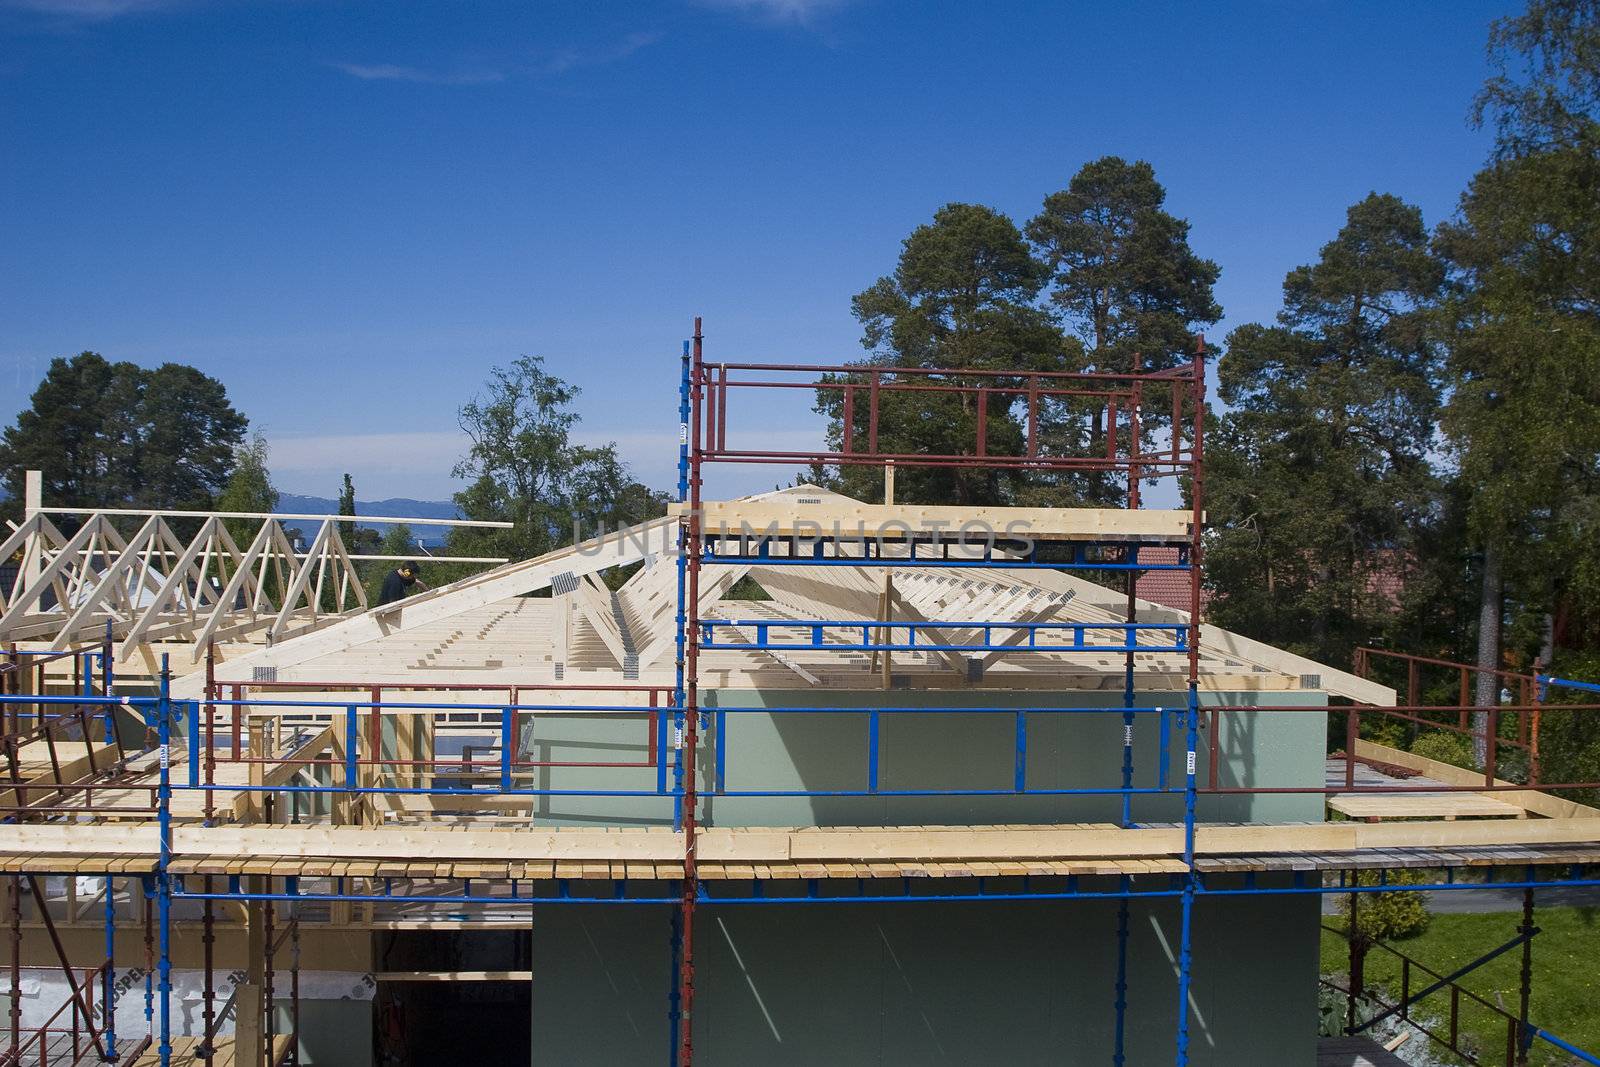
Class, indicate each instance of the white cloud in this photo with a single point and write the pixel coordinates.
(418, 464)
(383, 464)
(88, 9)
(571, 58)
(556, 63)
(395, 73)
(796, 11)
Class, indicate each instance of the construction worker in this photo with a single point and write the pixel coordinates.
(397, 584)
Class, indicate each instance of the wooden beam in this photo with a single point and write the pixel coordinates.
(452, 976)
(841, 516)
(61, 839)
(593, 601)
(515, 579)
(857, 845)
(1528, 799)
(1215, 642)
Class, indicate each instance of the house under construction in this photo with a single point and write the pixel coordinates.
(787, 779)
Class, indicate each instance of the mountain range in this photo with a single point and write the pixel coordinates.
(399, 507)
(395, 507)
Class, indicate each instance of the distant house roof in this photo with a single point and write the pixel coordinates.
(1170, 589)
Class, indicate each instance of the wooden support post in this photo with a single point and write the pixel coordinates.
(407, 772)
(886, 635)
(257, 771)
(886, 600)
(562, 652)
(248, 1022)
(1533, 696)
(424, 742)
(339, 807)
(371, 774)
(32, 493)
(33, 561)
(268, 996)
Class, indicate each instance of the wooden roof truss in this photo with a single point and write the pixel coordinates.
(155, 585)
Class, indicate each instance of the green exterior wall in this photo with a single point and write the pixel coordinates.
(796, 751)
(921, 983)
(900, 985)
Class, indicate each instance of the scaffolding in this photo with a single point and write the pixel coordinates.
(280, 753)
(705, 395)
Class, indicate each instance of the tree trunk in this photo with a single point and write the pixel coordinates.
(1489, 613)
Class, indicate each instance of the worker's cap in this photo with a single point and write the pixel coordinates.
(412, 567)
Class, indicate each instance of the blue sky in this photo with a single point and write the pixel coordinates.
(348, 210)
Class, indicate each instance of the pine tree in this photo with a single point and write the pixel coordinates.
(962, 297)
(1320, 480)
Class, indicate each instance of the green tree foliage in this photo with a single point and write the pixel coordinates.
(1125, 281)
(1444, 747)
(114, 434)
(347, 506)
(1523, 321)
(1545, 91)
(523, 467)
(358, 540)
(64, 433)
(1388, 916)
(968, 293)
(962, 297)
(187, 431)
(1569, 743)
(249, 488)
(1123, 276)
(1319, 480)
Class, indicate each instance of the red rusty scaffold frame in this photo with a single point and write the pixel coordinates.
(704, 433)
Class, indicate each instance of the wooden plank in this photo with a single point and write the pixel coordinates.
(419, 851)
(890, 844)
(788, 516)
(1448, 773)
(452, 976)
(1421, 806)
(428, 842)
(79, 839)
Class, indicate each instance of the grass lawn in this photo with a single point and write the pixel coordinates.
(1566, 975)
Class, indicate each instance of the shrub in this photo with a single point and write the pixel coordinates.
(1445, 747)
(1382, 730)
(1389, 916)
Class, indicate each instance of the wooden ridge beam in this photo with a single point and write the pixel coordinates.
(840, 516)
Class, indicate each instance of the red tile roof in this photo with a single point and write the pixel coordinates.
(1170, 589)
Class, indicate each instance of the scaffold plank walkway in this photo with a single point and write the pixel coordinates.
(1355, 1052)
(1423, 806)
(186, 1052)
(811, 852)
